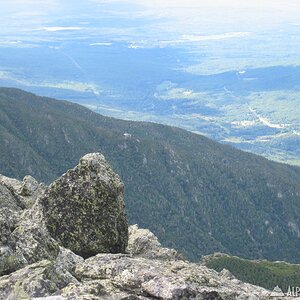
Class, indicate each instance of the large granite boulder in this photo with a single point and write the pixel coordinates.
(84, 208)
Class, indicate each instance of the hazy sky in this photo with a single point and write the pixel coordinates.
(169, 15)
(259, 29)
(215, 35)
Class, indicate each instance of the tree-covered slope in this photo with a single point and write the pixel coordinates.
(259, 272)
(196, 195)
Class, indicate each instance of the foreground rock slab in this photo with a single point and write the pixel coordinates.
(164, 279)
(147, 271)
(36, 280)
(125, 277)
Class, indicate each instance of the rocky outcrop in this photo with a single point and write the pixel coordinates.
(64, 246)
(124, 277)
(142, 242)
(84, 208)
(25, 192)
(31, 239)
(37, 280)
(13, 201)
(162, 279)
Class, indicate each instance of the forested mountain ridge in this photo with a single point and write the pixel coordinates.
(196, 195)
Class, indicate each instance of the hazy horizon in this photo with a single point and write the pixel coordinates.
(225, 69)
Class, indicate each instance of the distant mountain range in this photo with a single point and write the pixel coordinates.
(196, 195)
(252, 107)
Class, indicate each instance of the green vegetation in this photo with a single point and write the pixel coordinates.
(196, 195)
(263, 273)
(264, 123)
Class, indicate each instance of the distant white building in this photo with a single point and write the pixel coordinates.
(127, 135)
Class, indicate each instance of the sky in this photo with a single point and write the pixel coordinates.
(264, 31)
(164, 16)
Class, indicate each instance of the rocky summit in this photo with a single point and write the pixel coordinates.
(71, 241)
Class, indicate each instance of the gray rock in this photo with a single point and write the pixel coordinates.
(67, 259)
(227, 274)
(9, 260)
(30, 190)
(13, 184)
(37, 280)
(161, 279)
(84, 208)
(24, 238)
(13, 202)
(8, 220)
(31, 239)
(91, 291)
(50, 298)
(98, 290)
(144, 243)
(29, 186)
(25, 192)
(11, 208)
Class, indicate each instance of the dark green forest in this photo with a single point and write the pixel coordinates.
(196, 195)
(263, 273)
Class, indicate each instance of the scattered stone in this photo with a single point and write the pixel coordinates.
(67, 259)
(37, 280)
(161, 279)
(31, 189)
(227, 274)
(144, 243)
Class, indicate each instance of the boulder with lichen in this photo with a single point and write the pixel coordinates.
(84, 208)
